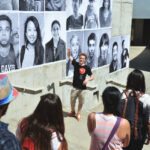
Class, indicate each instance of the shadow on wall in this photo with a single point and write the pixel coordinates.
(142, 61)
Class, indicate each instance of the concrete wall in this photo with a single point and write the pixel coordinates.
(40, 77)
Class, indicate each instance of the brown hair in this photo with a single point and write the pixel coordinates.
(83, 54)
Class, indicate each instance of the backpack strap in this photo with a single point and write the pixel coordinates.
(125, 103)
(138, 95)
(112, 133)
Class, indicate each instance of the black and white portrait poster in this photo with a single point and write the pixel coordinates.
(75, 18)
(90, 10)
(55, 5)
(104, 39)
(9, 4)
(115, 54)
(91, 47)
(31, 39)
(105, 13)
(125, 45)
(55, 36)
(9, 42)
(75, 43)
(31, 5)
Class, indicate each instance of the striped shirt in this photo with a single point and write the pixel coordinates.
(104, 126)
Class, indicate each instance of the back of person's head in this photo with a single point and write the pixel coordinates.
(47, 118)
(49, 112)
(6, 18)
(7, 93)
(111, 99)
(136, 81)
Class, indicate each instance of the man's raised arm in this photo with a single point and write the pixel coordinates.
(69, 54)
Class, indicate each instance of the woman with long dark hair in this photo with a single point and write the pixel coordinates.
(101, 124)
(135, 99)
(105, 14)
(103, 47)
(32, 53)
(45, 127)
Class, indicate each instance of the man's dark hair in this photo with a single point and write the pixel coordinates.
(136, 81)
(115, 44)
(123, 42)
(111, 99)
(83, 54)
(55, 21)
(4, 17)
(92, 36)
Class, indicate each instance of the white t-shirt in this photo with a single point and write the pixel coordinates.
(55, 143)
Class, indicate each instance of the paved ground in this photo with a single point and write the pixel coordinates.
(76, 131)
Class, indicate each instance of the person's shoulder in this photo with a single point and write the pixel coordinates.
(49, 43)
(61, 41)
(70, 17)
(124, 123)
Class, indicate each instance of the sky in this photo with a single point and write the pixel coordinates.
(141, 9)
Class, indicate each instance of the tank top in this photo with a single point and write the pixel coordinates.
(104, 126)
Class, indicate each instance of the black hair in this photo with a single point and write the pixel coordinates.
(55, 21)
(104, 40)
(47, 116)
(6, 18)
(109, 4)
(114, 44)
(136, 81)
(111, 99)
(123, 42)
(92, 36)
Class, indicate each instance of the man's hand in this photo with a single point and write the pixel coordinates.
(85, 82)
(69, 54)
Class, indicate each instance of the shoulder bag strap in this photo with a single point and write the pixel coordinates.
(112, 133)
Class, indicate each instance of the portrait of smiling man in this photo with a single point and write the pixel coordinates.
(91, 42)
(7, 54)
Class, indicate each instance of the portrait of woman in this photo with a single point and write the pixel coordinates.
(105, 14)
(75, 20)
(75, 52)
(103, 47)
(55, 5)
(124, 56)
(32, 53)
(91, 19)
